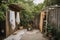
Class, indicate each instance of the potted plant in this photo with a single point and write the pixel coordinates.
(21, 26)
(29, 27)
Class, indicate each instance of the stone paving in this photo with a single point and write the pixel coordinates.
(26, 35)
(33, 35)
(16, 35)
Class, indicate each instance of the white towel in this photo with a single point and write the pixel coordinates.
(12, 19)
(17, 18)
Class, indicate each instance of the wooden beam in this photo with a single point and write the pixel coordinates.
(41, 20)
(7, 24)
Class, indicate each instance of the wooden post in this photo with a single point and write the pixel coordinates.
(41, 21)
(7, 24)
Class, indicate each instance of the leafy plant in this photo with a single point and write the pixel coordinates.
(3, 8)
(49, 28)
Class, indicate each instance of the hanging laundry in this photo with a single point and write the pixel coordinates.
(17, 18)
(12, 19)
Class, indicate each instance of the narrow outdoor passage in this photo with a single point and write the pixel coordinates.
(29, 20)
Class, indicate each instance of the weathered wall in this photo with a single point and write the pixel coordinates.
(54, 17)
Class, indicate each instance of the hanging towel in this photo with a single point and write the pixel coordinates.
(17, 18)
(12, 19)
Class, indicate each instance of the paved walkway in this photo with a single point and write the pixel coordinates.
(26, 35)
(33, 35)
(16, 35)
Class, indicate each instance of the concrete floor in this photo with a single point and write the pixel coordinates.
(26, 35)
(16, 35)
(33, 35)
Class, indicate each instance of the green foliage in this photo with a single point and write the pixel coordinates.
(51, 2)
(3, 8)
(50, 28)
(27, 14)
(39, 7)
